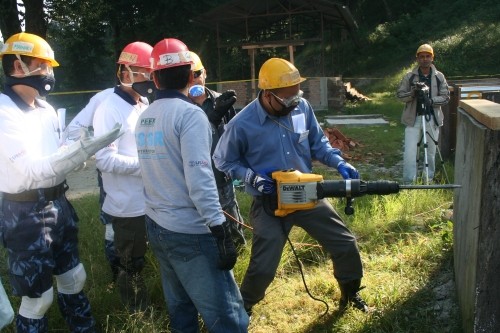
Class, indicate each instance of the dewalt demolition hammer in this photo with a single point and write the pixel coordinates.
(299, 191)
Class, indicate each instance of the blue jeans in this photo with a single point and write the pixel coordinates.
(193, 284)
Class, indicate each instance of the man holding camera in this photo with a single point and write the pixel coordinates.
(423, 90)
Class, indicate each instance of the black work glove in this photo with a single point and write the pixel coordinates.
(222, 104)
(227, 251)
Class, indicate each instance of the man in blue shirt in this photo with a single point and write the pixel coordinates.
(279, 131)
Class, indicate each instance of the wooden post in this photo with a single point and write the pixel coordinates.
(477, 215)
(251, 52)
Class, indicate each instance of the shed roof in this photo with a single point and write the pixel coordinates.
(252, 20)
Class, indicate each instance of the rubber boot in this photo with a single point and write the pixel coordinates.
(133, 291)
(113, 259)
(350, 296)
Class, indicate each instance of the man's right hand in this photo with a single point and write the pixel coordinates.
(261, 182)
(221, 106)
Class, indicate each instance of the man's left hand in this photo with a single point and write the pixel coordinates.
(347, 171)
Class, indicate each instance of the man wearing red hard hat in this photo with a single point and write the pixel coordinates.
(123, 205)
(186, 228)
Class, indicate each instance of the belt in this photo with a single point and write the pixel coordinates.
(51, 193)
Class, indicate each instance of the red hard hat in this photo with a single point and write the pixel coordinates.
(136, 54)
(170, 52)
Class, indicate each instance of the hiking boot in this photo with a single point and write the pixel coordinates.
(350, 296)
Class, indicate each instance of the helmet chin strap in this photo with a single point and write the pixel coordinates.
(25, 68)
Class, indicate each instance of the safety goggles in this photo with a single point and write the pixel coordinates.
(45, 68)
(146, 75)
(290, 101)
(197, 74)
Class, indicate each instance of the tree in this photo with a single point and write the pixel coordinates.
(35, 19)
(10, 22)
(32, 16)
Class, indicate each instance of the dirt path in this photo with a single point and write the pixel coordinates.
(83, 182)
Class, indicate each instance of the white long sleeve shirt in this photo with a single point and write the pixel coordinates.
(85, 117)
(118, 162)
(28, 136)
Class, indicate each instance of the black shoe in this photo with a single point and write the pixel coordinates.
(350, 296)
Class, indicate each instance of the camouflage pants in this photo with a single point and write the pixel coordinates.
(40, 244)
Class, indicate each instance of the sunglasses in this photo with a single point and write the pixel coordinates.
(290, 101)
(197, 74)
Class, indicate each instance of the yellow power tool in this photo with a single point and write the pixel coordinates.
(299, 191)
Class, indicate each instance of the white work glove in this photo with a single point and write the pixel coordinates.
(74, 155)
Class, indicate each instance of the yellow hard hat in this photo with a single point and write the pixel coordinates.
(425, 48)
(197, 64)
(278, 73)
(29, 45)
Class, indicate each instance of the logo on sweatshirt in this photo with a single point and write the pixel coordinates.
(198, 163)
(147, 121)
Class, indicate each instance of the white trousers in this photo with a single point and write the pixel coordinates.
(413, 134)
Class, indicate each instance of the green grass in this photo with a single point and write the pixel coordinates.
(379, 146)
(405, 243)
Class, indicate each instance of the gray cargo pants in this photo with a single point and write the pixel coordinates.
(322, 223)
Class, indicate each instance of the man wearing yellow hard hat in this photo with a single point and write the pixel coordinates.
(219, 109)
(39, 225)
(423, 90)
(279, 131)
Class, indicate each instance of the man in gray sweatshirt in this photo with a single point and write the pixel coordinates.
(186, 228)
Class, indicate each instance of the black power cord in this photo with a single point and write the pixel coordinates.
(302, 272)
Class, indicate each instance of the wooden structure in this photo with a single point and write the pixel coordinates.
(477, 215)
(461, 90)
(254, 25)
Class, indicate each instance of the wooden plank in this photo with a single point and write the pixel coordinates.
(476, 224)
(467, 213)
(484, 111)
(488, 283)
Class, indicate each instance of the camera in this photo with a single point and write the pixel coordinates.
(422, 90)
(420, 86)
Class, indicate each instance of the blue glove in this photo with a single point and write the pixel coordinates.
(347, 171)
(261, 182)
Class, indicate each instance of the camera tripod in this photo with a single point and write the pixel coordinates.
(425, 111)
